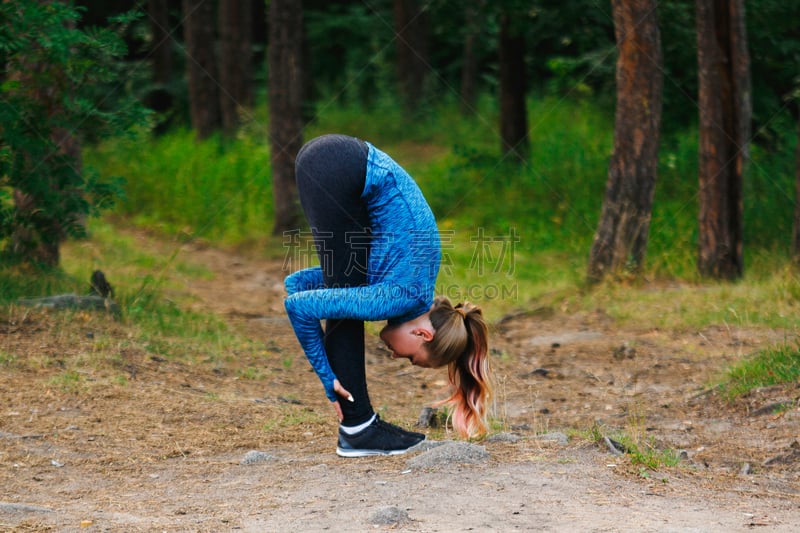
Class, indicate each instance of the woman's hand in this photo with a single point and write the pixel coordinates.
(341, 391)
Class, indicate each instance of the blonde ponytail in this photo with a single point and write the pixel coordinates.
(461, 341)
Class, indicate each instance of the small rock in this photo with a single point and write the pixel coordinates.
(503, 437)
(745, 470)
(23, 508)
(255, 456)
(449, 453)
(426, 445)
(770, 409)
(388, 516)
(616, 448)
(554, 436)
(793, 456)
(624, 351)
(428, 418)
(72, 301)
(292, 401)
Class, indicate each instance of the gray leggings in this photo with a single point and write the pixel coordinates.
(331, 172)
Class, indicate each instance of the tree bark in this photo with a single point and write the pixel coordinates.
(201, 63)
(513, 112)
(161, 47)
(286, 108)
(796, 226)
(160, 98)
(235, 71)
(469, 69)
(38, 234)
(620, 243)
(725, 113)
(411, 28)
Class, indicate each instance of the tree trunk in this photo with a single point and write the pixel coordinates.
(160, 98)
(796, 227)
(725, 112)
(39, 231)
(411, 30)
(236, 39)
(286, 108)
(469, 69)
(201, 71)
(513, 113)
(621, 239)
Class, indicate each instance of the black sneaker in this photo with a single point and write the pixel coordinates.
(379, 438)
(397, 429)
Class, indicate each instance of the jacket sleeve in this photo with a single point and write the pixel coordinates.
(304, 280)
(306, 308)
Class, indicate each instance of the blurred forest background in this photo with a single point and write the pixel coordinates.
(557, 142)
(616, 183)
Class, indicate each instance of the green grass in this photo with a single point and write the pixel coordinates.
(146, 286)
(22, 281)
(68, 381)
(7, 359)
(777, 365)
(215, 190)
(641, 450)
(142, 280)
(769, 301)
(294, 416)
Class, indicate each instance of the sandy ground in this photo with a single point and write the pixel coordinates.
(145, 443)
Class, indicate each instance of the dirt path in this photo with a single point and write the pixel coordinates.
(167, 448)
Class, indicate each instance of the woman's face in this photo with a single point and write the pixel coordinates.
(407, 341)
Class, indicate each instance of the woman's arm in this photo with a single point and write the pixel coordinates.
(304, 280)
(374, 302)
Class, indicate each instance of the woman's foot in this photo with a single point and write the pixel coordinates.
(379, 438)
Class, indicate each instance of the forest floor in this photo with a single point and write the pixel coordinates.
(146, 443)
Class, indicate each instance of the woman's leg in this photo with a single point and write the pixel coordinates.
(331, 172)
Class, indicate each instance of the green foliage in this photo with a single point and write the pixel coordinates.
(777, 365)
(641, 450)
(61, 87)
(676, 21)
(553, 201)
(24, 281)
(199, 189)
(7, 359)
(650, 457)
(361, 73)
(573, 49)
(221, 191)
(774, 44)
(769, 188)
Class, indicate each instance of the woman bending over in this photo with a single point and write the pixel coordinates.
(379, 252)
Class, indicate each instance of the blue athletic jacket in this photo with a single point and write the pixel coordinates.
(403, 264)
